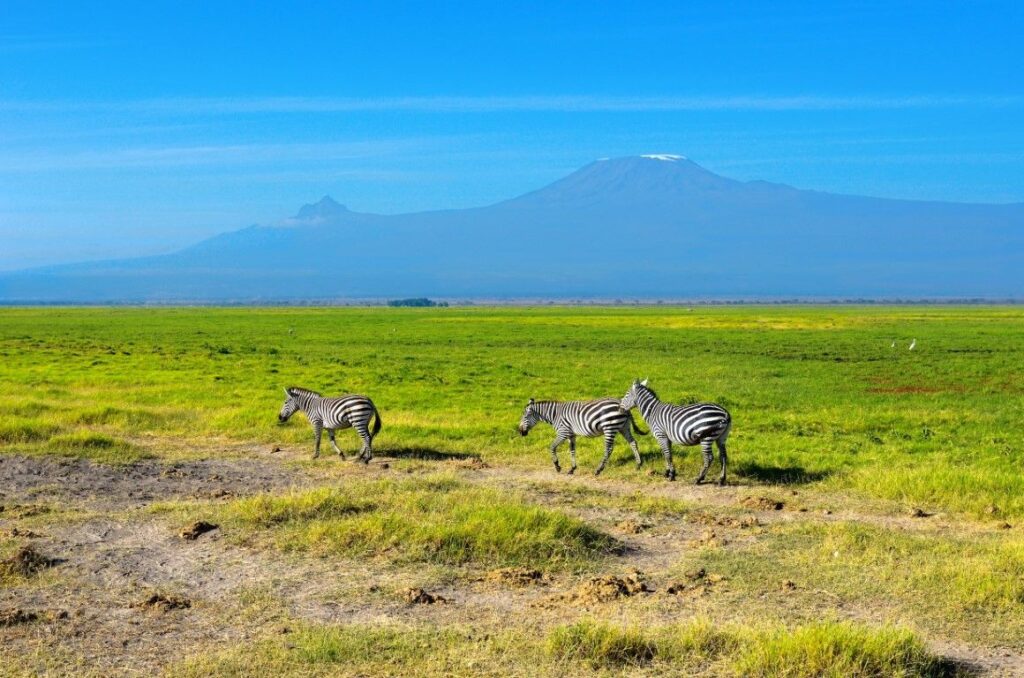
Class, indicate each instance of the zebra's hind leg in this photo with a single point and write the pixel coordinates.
(705, 449)
(609, 443)
(334, 443)
(666, 450)
(722, 457)
(572, 454)
(633, 446)
(366, 452)
(554, 452)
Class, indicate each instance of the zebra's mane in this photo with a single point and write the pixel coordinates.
(298, 390)
(649, 390)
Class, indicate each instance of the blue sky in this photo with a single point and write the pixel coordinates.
(136, 128)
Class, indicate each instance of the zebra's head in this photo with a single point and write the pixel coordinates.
(629, 401)
(290, 407)
(530, 418)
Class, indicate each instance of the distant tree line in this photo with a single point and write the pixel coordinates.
(419, 302)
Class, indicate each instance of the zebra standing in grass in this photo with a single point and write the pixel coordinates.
(589, 418)
(347, 411)
(703, 423)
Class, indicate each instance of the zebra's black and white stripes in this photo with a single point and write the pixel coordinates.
(588, 418)
(703, 424)
(347, 411)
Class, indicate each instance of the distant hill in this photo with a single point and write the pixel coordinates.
(646, 226)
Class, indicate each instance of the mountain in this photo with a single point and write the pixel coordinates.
(646, 226)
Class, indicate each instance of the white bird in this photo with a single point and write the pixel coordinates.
(893, 344)
(912, 345)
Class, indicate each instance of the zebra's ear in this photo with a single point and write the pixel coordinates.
(644, 382)
(531, 401)
(288, 393)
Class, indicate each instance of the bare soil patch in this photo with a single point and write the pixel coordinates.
(102, 486)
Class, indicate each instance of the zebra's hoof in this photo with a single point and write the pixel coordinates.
(558, 469)
(721, 482)
(571, 471)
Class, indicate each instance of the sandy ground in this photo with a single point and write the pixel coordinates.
(127, 595)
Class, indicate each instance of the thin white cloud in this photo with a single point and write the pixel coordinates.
(213, 154)
(497, 104)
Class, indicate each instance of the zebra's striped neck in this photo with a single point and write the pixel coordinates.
(305, 399)
(546, 411)
(645, 400)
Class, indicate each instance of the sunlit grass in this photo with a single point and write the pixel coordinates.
(817, 394)
(436, 519)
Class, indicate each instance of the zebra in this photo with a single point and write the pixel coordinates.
(589, 418)
(345, 411)
(703, 423)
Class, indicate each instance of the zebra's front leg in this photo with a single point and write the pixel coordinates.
(318, 429)
(705, 449)
(609, 443)
(666, 451)
(334, 443)
(554, 452)
(572, 454)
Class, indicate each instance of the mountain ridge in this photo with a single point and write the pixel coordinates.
(655, 226)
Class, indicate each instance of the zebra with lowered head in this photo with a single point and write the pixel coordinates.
(588, 418)
(703, 424)
(347, 411)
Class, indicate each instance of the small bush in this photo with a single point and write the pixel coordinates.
(25, 431)
(843, 650)
(600, 644)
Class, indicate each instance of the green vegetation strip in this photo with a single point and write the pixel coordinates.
(437, 519)
(819, 396)
(697, 647)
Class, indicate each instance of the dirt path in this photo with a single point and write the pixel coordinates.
(97, 606)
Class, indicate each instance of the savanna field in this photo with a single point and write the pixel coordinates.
(873, 524)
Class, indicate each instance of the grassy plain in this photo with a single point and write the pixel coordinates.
(849, 432)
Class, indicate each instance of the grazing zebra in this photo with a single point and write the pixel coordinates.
(589, 418)
(345, 411)
(703, 423)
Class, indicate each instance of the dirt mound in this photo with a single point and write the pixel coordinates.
(21, 532)
(16, 616)
(417, 596)
(602, 590)
(724, 521)
(517, 576)
(472, 463)
(695, 583)
(709, 539)
(762, 503)
(26, 562)
(632, 527)
(197, 529)
(163, 602)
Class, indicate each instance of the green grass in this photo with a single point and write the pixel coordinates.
(432, 519)
(970, 584)
(817, 394)
(587, 647)
(835, 649)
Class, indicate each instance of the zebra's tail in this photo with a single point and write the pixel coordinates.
(376, 423)
(636, 429)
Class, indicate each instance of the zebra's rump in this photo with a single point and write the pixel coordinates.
(694, 423)
(346, 410)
